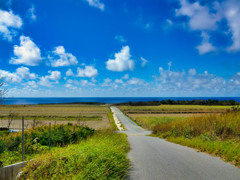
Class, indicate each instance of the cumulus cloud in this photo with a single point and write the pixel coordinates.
(27, 53)
(88, 71)
(144, 61)
(135, 81)
(232, 13)
(122, 61)
(24, 73)
(59, 57)
(200, 17)
(206, 46)
(96, 4)
(207, 18)
(48, 80)
(190, 83)
(69, 72)
(8, 23)
(21, 73)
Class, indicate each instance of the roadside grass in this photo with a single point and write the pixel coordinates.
(151, 122)
(181, 108)
(112, 122)
(102, 156)
(36, 141)
(218, 134)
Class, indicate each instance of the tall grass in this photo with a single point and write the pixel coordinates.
(216, 134)
(151, 122)
(223, 126)
(103, 156)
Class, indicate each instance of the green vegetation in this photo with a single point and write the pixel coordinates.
(51, 110)
(218, 134)
(175, 108)
(151, 122)
(183, 102)
(36, 141)
(102, 156)
(57, 118)
(112, 122)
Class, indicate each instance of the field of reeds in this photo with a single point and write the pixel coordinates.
(102, 156)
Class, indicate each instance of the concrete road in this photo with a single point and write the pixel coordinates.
(156, 159)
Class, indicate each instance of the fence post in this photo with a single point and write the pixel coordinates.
(49, 136)
(23, 138)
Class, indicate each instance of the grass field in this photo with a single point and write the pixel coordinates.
(57, 114)
(173, 108)
(218, 134)
(102, 156)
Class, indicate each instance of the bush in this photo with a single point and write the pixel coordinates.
(102, 156)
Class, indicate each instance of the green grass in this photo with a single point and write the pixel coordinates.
(151, 122)
(36, 141)
(173, 108)
(218, 134)
(228, 150)
(103, 156)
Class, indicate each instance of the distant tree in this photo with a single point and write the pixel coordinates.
(2, 91)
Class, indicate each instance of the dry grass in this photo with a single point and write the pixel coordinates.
(92, 115)
(174, 109)
(223, 126)
(60, 110)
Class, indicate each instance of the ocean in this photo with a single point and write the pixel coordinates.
(51, 100)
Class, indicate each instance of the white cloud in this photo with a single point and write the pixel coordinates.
(32, 13)
(189, 84)
(200, 17)
(126, 76)
(60, 58)
(192, 72)
(122, 61)
(96, 3)
(208, 17)
(135, 81)
(144, 61)
(120, 39)
(9, 22)
(118, 81)
(27, 53)
(70, 86)
(22, 73)
(48, 80)
(69, 73)
(206, 46)
(10, 77)
(232, 13)
(88, 71)
(32, 84)
(169, 21)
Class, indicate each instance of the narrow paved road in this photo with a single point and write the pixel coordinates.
(156, 159)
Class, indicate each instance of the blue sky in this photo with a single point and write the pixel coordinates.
(91, 48)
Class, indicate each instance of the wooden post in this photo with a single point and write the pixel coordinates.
(49, 136)
(23, 138)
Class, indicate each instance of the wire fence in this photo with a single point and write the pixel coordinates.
(19, 144)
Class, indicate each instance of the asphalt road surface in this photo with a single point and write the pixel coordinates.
(156, 159)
